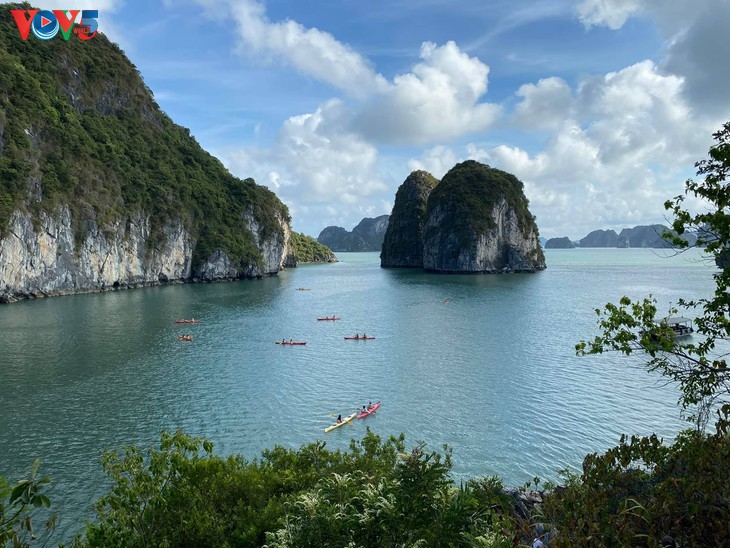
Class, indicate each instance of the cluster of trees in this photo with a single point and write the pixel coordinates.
(309, 250)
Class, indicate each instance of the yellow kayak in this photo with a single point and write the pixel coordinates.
(344, 421)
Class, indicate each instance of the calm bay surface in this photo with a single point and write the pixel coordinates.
(485, 364)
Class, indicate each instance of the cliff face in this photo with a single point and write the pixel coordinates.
(48, 260)
(503, 248)
(372, 231)
(475, 220)
(403, 242)
(366, 236)
(99, 189)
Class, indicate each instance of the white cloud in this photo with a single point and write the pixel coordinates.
(545, 105)
(611, 13)
(310, 51)
(437, 161)
(315, 160)
(619, 155)
(435, 101)
(696, 34)
(438, 100)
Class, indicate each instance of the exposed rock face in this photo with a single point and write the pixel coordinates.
(366, 236)
(503, 248)
(559, 243)
(372, 231)
(600, 238)
(403, 243)
(476, 221)
(49, 261)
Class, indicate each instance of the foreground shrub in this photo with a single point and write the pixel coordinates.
(642, 493)
(374, 494)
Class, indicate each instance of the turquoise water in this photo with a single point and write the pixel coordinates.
(492, 372)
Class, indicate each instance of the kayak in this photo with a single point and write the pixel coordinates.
(359, 338)
(303, 289)
(187, 321)
(328, 319)
(364, 414)
(344, 421)
(187, 338)
(293, 343)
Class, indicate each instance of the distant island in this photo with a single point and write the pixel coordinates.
(646, 236)
(366, 236)
(475, 220)
(305, 249)
(559, 243)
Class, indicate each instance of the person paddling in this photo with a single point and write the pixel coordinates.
(339, 419)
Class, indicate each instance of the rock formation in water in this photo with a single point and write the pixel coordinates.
(643, 236)
(308, 250)
(600, 238)
(559, 243)
(639, 236)
(403, 243)
(366, 236)
(476, 220)
(99, 189)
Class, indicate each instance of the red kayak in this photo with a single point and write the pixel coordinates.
(292, 343)
(328, 319)
(188, 338)
(372, 410)
(187, 321)
(359, 338)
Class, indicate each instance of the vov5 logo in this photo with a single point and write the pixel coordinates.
(46, 24)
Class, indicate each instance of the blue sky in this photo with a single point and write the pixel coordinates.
(600, 106)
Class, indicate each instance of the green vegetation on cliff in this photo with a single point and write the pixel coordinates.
(470, 191)
(79, 127)
(309, 250)
(403, 243)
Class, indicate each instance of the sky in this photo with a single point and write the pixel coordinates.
(601, 107)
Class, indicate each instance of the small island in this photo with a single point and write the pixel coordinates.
(366, 236)
(475, 220)
(559, 243)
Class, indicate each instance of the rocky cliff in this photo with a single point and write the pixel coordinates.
(643, 236)
(476, 221)
(559, 243)
(99, 189)
(366, 236)
(600, 238)
(48, 259)
(403, 242)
